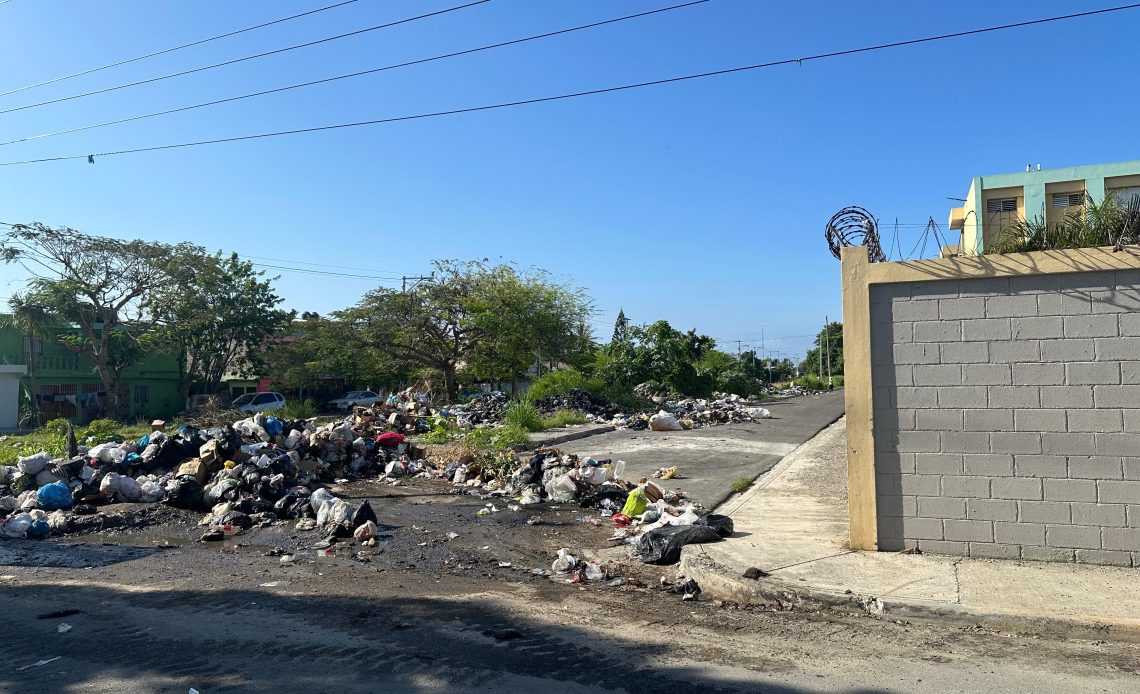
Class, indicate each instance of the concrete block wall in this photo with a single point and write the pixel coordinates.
(1007, 416)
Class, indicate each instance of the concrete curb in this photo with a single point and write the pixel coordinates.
(566, 437)
(716, 582)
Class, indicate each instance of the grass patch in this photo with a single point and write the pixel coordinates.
(498, 438)
(299, 409)
(563, 418)
(741, 485)
(524, 416)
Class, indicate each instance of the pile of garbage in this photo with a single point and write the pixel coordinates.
(655, 522)
(259, 470)
(482, 410)
(692, 413)
(595, 407)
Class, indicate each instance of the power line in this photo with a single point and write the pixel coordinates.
(357, 74)
(394, 274)
(327, 273)
(175, 48)
(248, 57)
(591, 92)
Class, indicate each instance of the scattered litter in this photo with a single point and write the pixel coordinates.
(63, 628)
(38, 663)
(504, 565)
(274, 584)
(754, 573)
(666, 473)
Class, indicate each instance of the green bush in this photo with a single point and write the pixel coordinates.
(741, 485)
(560, 382)
(523, 415)
(299, 409)
(563, 418)
(497, 438)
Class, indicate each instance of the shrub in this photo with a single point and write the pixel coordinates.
(741, 485)
(563, 418)
(299, 409)
(523, 415)
(560, 382)
(497, 438)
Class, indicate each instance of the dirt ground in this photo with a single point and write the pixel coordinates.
(149, 609)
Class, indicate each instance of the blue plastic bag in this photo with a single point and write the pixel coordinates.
(273, 426)
(144, 441)
(40, 530)
(132, 459)
(54, 496)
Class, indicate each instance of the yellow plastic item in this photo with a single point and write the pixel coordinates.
(635, 503)
(230, 465)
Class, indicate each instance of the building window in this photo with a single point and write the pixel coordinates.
(142, 395)
(1127, 196)
(1001, 205)
(1068, 199)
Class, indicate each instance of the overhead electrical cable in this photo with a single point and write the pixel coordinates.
(173, 48)
(246, 58)
(355, 74)
(591, 92)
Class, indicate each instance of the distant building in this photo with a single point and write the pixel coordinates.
(995, 203)
(67, 385)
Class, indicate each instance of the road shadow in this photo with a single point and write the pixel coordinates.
(69, 555)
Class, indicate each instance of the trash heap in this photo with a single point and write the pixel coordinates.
(596, 408)
(482, 410)
(258, 470)
(655, 522)
(694, 413)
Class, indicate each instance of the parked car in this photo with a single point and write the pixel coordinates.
(259, 402)
(363, 398)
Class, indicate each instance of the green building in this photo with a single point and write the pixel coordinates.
(68, 386)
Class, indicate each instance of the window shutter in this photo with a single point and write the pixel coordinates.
(1068, 199)
(1001, 205)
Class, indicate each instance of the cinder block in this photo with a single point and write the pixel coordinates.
(1064, 304)
(1068, 396)
(888, 484)
(938, 420)
(1131, 421)
(1117, 444)
(956, 549)
(923, 528)
(891, 333)
(1047, 554)
(1118, 491)
(989, 550)
(1038, 328)
(1104, 557)
(986, 375)
(1116, 396)
(1039, 420)
(1019, 533)
(919, 442)
(985, 286)
(966, 487)
(1084, 282)
(1133, 515)
(914, 397)
(1103, 515)
(987, 420)
(1096, 467)
(961, 396)
(958, 308)
(988, 465)
(964, 352)
(1026, 374)
(991, 509)
(1130, 372)
(1009, 306)
(893, 462)
(941, 507)
(915, 310)
(987, 330)
(1015, 352)
(920, 485)
(890, 532)
(1117, 348)
(1044, 512)
(1015, 488)
(1106, 420)
(1092, 373)
(896, 506)
(1011, 442)
(1068, 350)
(1069, 443)
(1075, 536)
(938, 375)
(1016, 396)
(938, 463)
(1040, 466)
(888, 375)
(1131, 468)
(1035, 284)
(1130, 324)
(937, 331)
(886, 435)
(939, 289)
(906, 418)
(965, 442)
(968, 530)
(915, 353)
(1120, 300)
(1090, 326)
(1070, 490)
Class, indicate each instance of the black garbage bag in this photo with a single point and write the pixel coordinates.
(184, 492)
(614, 492)
(663, 545)
(363, 515)
(532, 472)
(721, 524)
(236, 518)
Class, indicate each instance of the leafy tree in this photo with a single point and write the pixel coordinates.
(104, 286)
(34, 321)
(621, 330)
(322, 349)
(219, 317)
(660, 355)
(829, 341)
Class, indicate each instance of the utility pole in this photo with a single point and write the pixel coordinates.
(827, 339)
(415, 280)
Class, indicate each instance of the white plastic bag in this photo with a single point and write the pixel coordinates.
(759, 413)
(365, 532)
(334, 512)
(319, 497)
(593, 475)
(108, 453)
(45, 477)
(150, 490)
(16, 526)
(33, 464)
(121, 486)
(663, 421)
(565, 562)
(561, 489)
(617, 472)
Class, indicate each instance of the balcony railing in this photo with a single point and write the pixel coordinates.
(49, 362)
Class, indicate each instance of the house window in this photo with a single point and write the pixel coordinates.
(1001, 205)
(1127, 196)
(1068, 199)
(142, 395)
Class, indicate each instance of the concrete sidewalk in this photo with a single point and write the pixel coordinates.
(793, 525)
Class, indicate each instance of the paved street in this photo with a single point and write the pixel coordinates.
(710, 459)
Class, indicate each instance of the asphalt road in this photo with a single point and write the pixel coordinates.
(709, 460)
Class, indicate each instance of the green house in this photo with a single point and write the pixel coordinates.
(68, 386)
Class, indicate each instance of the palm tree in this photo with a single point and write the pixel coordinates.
(34, 321)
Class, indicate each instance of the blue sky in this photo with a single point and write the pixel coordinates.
(702, 203)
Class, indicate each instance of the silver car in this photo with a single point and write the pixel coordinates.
(259, 402)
